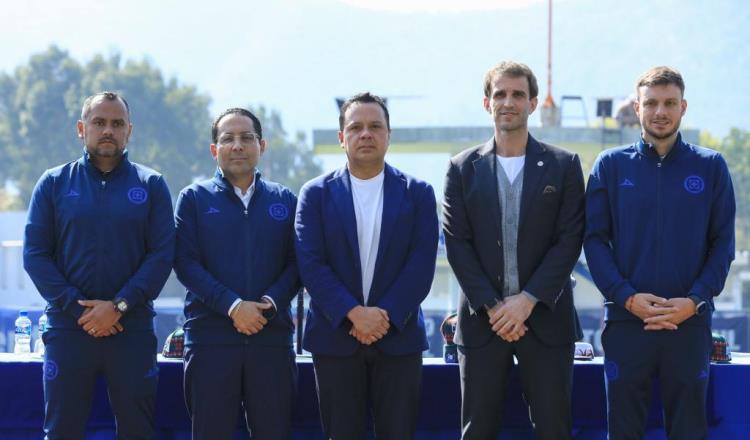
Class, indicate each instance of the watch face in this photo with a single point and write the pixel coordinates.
(122, 306)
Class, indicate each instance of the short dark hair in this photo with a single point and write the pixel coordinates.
(364, 98)
(109, 96)
(660, 76)
(235, 111)
(514, 70)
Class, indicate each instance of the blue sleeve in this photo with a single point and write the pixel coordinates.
(597, 238)
(187, 266)
(39, 248)
(710, 281)
(402, 298)
(149, 279)
(287, 285)
(323, 285)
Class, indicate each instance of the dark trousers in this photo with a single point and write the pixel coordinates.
(347, 386)
(547, 380)
(72, 362)
(679, 359)
(218, 378)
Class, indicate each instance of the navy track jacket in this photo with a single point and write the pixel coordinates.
(661, 226)
(225, 252)
(94, 235)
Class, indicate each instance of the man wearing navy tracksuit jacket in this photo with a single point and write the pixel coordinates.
(659, 242)
(99, 244)
(235, 256)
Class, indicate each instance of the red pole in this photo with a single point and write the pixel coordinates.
(548, 101)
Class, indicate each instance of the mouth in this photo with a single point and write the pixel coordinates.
(660, 123)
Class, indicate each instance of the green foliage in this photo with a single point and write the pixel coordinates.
(41, 102)
(736, 151)
(289, 162)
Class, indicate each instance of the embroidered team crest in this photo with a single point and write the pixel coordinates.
(627, 182)
(278, 211)
(72, 193)
(137, 195)
(50, 370)
(212, 210)
(694, 184)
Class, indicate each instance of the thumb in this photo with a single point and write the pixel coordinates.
(655, 299)
(85, 302)
(264, 305)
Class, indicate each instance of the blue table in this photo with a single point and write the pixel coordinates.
(21, 403)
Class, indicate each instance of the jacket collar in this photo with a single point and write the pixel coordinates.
(648, 150)
(85, 161)
(225, 184)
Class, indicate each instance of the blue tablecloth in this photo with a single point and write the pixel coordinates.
(21, 403)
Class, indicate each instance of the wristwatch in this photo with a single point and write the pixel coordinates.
(700, 305)
(121, 305)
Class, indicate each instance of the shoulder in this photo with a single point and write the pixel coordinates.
(277, 190)
(413, 184)
(146, 175)
(467, 156)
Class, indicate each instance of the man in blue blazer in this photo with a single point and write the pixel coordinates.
(366, 246)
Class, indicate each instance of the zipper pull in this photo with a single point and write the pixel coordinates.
(104, 183)
(245, 212)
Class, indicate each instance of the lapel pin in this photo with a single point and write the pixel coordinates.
(540, 163)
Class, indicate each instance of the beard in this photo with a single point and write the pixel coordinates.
(661, 136)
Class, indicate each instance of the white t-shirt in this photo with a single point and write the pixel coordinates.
(511, 165)
(367, 196)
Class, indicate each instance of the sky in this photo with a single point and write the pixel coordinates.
(427, 56)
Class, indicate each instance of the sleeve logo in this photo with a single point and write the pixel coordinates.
(278, 211)
(137, 195)
(694, 184)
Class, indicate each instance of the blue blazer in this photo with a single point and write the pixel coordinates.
(329, 263)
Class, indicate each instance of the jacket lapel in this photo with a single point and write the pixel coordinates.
(394, 187)
(486, 181)
(341, 193)
(534, 168)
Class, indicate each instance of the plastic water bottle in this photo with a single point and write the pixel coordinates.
(39, 344)
(23, 333)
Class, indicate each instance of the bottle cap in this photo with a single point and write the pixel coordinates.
(23, 313)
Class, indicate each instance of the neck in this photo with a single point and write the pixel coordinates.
(105, 164)
(511, 143)
(241, 182)
(662, 146)
(365, 171)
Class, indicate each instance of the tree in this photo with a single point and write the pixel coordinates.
(41, 101)
(735, 148)
(289, 162)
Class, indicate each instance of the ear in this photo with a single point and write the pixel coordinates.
(79, 128)
(683, 104)
(214, 151)
(130, 131)
(637, 108)
(262, 146)
(534, 102)
(341, 139)
(486, 105)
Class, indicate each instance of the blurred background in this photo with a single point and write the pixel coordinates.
(180, 64)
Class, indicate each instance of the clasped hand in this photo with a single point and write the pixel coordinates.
(248, 318)
(369, 324)
(99, 318)
(659, 313)
(507, 317)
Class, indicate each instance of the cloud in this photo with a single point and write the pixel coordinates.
(408, 6)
